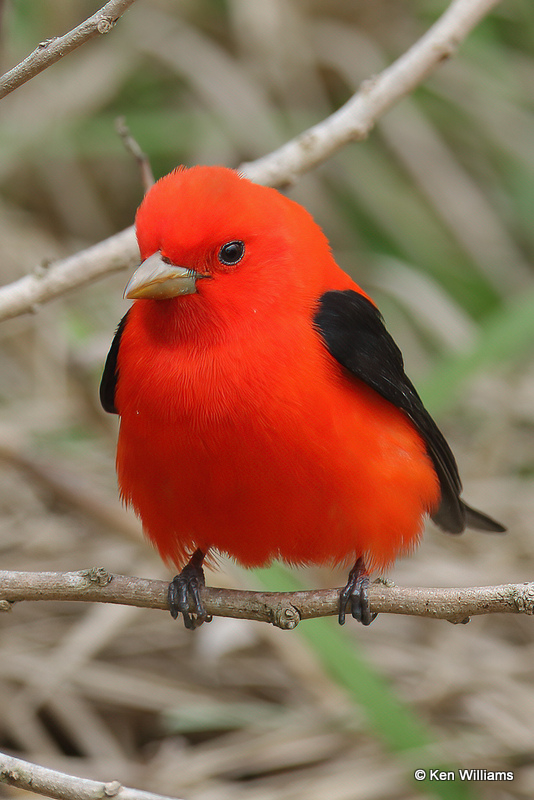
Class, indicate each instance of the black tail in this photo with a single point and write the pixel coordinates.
(481, 522)
(454, 516)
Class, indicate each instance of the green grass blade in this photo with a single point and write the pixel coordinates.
(394, 723)
(505, 336)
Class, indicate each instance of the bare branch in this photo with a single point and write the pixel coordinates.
(133, 147)
(282, 609)
(352, 121)
(52, 50)
(51, 783)
(46, 283)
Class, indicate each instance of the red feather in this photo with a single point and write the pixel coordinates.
(239, 431)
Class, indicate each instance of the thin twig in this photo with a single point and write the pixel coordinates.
(352, 121)
(51, 783)
(133, 147)
(52, 50)
(282, 609)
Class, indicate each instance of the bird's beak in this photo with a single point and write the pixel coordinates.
(157, 279)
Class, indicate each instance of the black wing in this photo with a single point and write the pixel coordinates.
(355, 335)
(110, 374)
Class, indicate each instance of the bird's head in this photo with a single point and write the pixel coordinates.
(198, 227)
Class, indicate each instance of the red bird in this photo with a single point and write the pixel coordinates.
(264, 409)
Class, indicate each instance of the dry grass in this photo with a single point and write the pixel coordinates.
(239, 710)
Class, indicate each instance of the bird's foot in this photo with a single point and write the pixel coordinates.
(356, 595)
(184, 592)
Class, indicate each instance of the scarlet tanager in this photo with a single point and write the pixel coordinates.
(264, 409)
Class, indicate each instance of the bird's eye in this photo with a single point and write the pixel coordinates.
(231, 252)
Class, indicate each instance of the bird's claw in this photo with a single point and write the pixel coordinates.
(356, 595)
(184, 592)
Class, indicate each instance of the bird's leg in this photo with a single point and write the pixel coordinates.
(185, 588)
(355, 593)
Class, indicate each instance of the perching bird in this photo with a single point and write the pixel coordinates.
(264, 409)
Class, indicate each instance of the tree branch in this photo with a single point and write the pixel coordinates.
(282, 609)
(48, 282)
(52, 50)
(357, 117)
(132, 146)
(352, 121)
(51, 783)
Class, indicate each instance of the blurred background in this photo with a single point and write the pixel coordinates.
(432, 216)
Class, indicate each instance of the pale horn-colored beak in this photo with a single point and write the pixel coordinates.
(158, 279)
